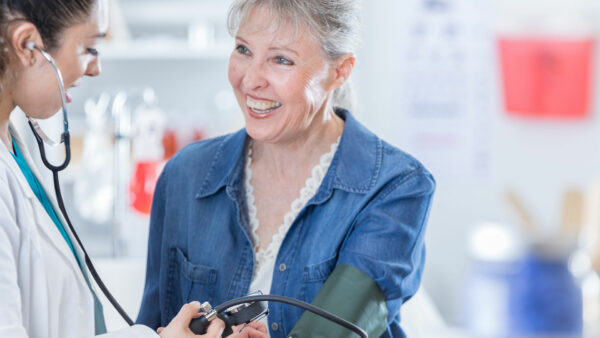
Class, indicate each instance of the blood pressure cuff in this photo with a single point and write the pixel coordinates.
(350, 294)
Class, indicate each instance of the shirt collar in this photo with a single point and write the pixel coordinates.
(354, 168)
(228, 159)
(7, 157)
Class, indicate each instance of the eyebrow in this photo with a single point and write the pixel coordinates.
(271, 48)
(101, 35)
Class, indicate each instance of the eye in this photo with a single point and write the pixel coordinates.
(283, 61)
(242, 49)
(93, 51)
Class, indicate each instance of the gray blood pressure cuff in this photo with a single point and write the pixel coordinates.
(350, 294)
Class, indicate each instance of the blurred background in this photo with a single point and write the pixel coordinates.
(498, 98)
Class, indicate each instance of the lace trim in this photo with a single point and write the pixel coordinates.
(306, 193)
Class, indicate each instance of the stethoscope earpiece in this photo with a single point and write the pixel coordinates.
(30, 45)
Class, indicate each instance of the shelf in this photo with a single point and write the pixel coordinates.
(162, 50)
(174, 11)
(168, 30)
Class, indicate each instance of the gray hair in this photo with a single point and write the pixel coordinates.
(334, 23)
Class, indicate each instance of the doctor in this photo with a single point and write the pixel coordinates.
(45, 287)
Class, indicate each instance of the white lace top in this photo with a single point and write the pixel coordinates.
(264, 258)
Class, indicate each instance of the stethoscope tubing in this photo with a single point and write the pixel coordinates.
(87, 258)
(56, 169)
(61, 87)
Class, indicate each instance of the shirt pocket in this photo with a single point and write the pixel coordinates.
(188, 281)
(314, 276)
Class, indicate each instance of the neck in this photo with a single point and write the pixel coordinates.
(6, 107)
(285, 160)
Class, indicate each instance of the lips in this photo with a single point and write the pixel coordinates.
(68, 96)
(260, 108)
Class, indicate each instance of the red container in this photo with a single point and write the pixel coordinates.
(547, 78)
(142, 185)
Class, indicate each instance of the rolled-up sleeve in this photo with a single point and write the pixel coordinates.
(387, 238)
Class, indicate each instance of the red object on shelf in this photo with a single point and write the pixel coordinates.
(546, 77)
(199, 135)
(172, 143)
(141, 187)
(169, 142)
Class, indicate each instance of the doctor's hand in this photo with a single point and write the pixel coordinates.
(179, 327)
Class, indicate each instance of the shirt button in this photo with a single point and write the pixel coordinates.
(282, 267)
(274, 326)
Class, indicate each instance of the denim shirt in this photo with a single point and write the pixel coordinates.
(369, 212)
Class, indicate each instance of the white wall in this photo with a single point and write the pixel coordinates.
(538, 159)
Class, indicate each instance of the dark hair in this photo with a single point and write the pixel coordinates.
(50, 17)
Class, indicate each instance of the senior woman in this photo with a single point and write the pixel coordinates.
(304, 202)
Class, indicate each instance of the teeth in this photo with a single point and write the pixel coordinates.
(262, 105)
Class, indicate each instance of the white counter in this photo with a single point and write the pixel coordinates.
(124, 278)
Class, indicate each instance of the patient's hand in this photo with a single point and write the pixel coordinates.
(253, 330)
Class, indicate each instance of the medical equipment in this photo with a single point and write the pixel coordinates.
(37, 130)
(251, 312)
(244, 313)
(41, 137)
(147, 152)
(121, 116)
(93, 188)
(350, 294)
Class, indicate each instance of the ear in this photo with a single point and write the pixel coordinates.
(343, 69)
(20, 34)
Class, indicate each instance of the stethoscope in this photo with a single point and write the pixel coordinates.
(65, 138)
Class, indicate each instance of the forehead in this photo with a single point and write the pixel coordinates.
(100, 12)
(97, 22)
(92, 26)
(267, 24)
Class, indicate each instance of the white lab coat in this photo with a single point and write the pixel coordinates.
(43, 292)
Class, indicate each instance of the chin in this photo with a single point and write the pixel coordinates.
(42, 112)
(44, 115)
(264, 135)
(253, 133)
(256, 133)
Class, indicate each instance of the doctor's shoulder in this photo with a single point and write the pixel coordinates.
(10, 192)
(9, 181)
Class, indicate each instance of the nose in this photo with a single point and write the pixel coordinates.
(93, 68)
(254, 77)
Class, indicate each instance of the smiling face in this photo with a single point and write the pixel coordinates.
(281, 79)
(36, 89)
